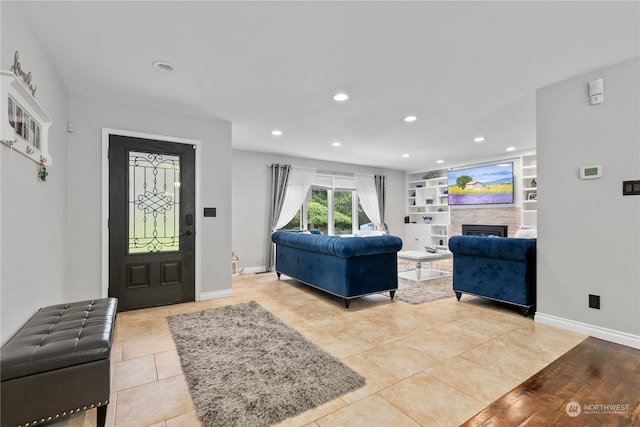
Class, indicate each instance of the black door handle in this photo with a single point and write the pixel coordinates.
(188, 233)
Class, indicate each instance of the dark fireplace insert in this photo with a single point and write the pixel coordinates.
(484, 230)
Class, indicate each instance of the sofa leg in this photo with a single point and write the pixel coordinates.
(525, 311)
(101, 416)
(392, 293)
(458, 295)
(278, 274)
(347, 302)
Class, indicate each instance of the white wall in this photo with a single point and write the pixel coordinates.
(33, 225)
(251, 184)
(85, 198)
(588, 233)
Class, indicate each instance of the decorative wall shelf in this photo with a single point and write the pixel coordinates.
(24, 124)
(428, 215)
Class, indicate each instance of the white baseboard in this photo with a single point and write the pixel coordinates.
(226, 293)
(617, 337)
(255, 269)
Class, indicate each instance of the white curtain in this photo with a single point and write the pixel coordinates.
(298, 185)
(366, 188)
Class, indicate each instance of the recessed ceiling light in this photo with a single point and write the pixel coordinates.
(162, 66)
(340, 97)
(406, 155)
(439, 161)
(276, 132)
(336, 144)
(511, 148)
(410, 119)
(478, 139)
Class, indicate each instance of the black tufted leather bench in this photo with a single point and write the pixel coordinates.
(58, 364)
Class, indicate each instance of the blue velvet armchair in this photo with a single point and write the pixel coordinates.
(498, 268)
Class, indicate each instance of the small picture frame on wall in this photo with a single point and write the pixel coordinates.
(11, 113)
(533, 196)
(19, 121)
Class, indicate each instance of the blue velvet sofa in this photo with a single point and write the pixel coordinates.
(498, 268)
(348, 267)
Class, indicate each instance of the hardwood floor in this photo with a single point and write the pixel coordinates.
(597, 383)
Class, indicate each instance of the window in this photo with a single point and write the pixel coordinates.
(154, 202)
(343, 212)
(332, 207)
(318, 210)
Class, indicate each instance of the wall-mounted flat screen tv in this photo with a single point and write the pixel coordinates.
(481, 185)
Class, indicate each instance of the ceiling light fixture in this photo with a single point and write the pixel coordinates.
(340, 97)
(511, 148)
(410, 119)
(336, 144)
(162, 66)
(478, 139)
(406, 155)
(276, 132)
(439, 161)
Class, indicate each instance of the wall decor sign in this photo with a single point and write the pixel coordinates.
(24, 124)
(16, 69)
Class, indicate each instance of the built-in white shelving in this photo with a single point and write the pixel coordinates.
(529, 185)
(427, 210)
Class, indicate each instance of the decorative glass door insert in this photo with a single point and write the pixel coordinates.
(154, 202)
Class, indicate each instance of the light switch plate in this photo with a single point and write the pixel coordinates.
(631, 188)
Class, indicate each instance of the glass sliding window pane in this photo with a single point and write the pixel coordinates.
(318, 211)
(342, 206)
(154, 202)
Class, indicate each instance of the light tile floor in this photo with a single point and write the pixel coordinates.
(434, 364)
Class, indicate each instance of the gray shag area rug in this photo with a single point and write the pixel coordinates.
(418, 292)
(245, 367)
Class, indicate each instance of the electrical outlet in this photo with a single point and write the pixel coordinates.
(594, 301)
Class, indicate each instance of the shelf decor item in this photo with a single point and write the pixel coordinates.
(42, 170)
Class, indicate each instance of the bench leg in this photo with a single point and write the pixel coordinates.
(101, 417)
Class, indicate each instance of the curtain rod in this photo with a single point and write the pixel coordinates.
(322, 171)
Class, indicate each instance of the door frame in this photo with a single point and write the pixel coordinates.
(105, 201)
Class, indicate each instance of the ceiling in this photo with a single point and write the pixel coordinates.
(466, 69)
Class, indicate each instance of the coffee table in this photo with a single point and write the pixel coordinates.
(423, 256)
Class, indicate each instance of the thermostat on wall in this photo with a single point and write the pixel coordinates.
(590, 172)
